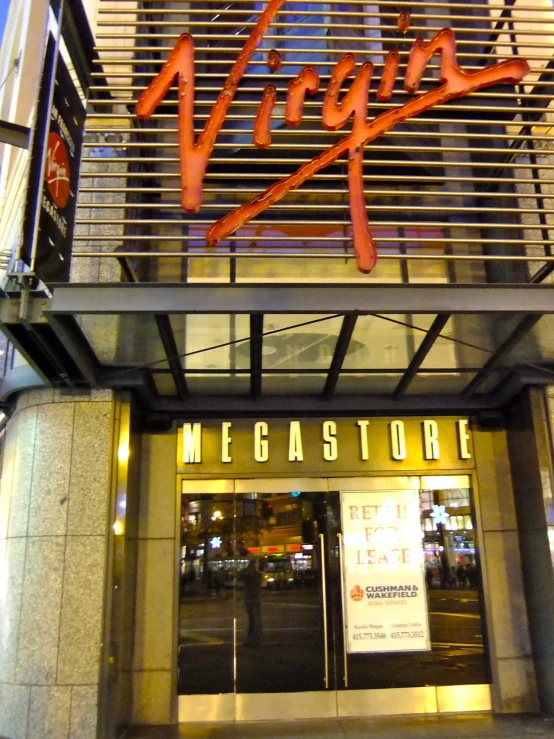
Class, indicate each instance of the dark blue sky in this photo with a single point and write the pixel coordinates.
(4, 5)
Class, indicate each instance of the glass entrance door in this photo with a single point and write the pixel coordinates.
(278, 596)
(408, 608)
(253, 614)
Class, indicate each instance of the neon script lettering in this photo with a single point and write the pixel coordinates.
(455, 82)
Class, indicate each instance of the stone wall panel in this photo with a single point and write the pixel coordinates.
(54, 494)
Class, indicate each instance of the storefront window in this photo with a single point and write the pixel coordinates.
(261, 578)
(449, 537)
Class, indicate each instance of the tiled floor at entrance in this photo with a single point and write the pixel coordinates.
(424, 727)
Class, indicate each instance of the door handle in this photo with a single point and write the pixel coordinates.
(343, 606)
(324, 588)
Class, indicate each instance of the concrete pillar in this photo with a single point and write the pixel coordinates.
(54, 534)
(531, 464)
(157, 597)
(514, 688)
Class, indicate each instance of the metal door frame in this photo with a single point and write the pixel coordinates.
(330, 703)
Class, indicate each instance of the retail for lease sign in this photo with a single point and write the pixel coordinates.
(384, 582)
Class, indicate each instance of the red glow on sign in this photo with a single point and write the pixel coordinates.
(253, 550)
(271, 549)
(57, 170)
(294, 547)
(274, 60)
(455, 82)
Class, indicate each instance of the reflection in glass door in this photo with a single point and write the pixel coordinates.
(279, 594)
(451, 583)
(262, 601)
(206, 595)
(252, 613)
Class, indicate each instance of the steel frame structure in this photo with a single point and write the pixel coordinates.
(47, 333)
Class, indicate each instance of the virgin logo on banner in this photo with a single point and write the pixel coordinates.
(384, 579)
(57, 170)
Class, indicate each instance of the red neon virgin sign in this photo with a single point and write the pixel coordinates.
(455, 82)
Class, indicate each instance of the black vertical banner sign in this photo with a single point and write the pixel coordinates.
(59, 185)
(42, 122)
(59, 128)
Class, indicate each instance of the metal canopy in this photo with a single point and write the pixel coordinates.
(279, 298)
(249, 350)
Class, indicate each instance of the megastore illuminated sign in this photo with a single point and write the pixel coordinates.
(349, 444)
(455, 82)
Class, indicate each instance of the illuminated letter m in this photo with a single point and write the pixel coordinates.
(192, 443)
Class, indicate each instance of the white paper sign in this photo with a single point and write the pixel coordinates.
(384, 579)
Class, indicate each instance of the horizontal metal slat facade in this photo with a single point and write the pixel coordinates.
(470, 178)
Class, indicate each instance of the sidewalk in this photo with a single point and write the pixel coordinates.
(420, 727)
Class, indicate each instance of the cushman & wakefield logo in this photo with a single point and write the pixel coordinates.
(377, 592)
(455, 82)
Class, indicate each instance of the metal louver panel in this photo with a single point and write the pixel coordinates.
(462, 184)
